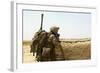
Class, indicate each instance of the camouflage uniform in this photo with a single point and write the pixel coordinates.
(37, 44)
(45, 45)
(53, 43)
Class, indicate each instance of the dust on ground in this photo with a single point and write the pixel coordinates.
(73, 50)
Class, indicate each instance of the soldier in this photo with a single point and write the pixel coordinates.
(44, 44)
(53, 43)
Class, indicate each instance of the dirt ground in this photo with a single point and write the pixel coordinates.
(73, 50)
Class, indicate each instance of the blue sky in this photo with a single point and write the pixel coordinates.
(72, 25)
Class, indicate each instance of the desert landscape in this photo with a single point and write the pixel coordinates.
(74, 49)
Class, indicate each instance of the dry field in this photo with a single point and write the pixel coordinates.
(74, 49)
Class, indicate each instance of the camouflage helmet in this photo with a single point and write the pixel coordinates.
(54, 29)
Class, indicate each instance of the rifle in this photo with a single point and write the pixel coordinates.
(41, 21)
(62, 52)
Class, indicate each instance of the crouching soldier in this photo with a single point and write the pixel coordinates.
(45, 45)
(54, 38)
(52, 44)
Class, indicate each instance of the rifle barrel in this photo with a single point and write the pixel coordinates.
(41, 21)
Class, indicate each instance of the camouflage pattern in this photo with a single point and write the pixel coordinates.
(37, 44)
(45, 44)
(54, 39)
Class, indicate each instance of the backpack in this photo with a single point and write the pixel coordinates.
(38, 41)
